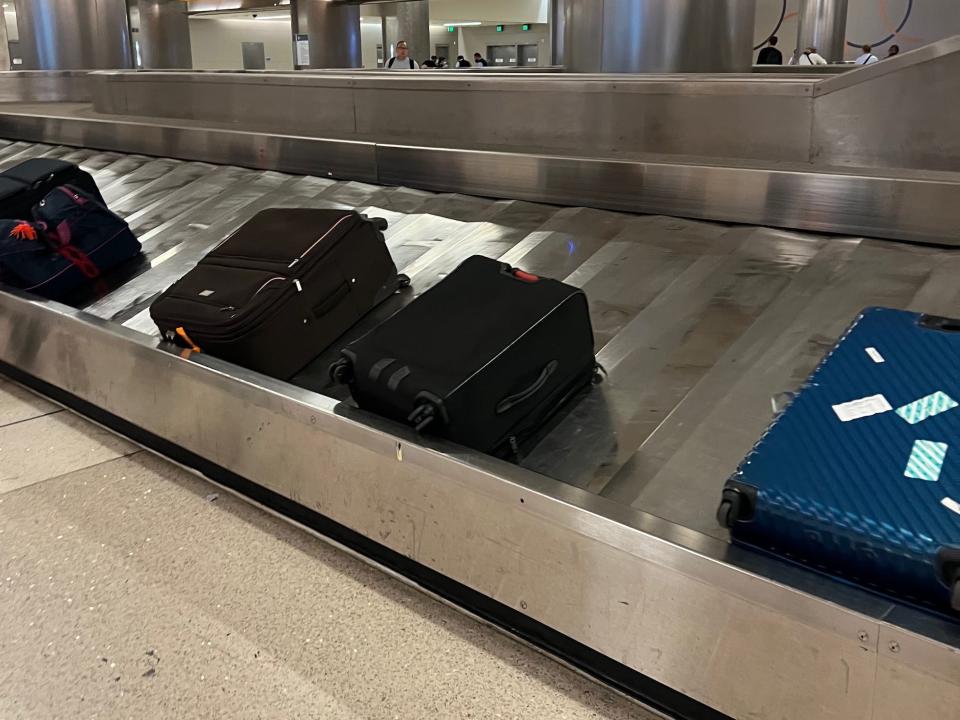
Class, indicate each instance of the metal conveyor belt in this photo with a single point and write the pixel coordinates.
(698, 324)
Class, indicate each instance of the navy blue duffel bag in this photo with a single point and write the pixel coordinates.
(71, 242)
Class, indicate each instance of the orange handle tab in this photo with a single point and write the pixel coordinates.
(186, 338)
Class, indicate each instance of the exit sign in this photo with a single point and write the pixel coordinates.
(525, 28)
(451, 28)
(499, 28)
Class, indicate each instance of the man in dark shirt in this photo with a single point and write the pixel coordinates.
(770, 55)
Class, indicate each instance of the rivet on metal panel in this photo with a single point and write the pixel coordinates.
(863, 635)
(399, 452)
(894, 646)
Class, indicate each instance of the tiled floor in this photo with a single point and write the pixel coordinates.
(130, 588)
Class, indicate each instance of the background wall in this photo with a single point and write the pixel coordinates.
(476, 39)
(216, 42)
(869, 21)
(440, 36)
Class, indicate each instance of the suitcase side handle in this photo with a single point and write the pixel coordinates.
(331, 301)
(943, 324)
(511, 401)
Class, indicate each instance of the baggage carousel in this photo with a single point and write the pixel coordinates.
(601, 546)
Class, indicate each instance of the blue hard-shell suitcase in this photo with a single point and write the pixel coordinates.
(859, 476)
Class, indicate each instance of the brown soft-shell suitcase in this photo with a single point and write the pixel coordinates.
(281, 289)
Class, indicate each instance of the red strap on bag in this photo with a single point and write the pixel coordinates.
(75, 255)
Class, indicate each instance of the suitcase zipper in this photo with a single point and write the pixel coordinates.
(208, 331)
(320, 239)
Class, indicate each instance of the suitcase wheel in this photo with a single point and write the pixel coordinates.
(727, 512)
(733, 507)
(341, 372)
(403, 281)
(423, 416)
(737, 504)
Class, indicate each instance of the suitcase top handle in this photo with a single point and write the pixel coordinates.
(520, 275)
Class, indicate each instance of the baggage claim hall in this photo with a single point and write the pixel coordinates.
(528, 359)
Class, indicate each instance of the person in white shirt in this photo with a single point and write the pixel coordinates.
(810, 56)
(402, 60)
(868, 58)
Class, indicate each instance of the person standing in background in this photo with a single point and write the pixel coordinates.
(479, 61)
(893, 51)
(868, 58)
(810, 56)
(770, 55)
(462, 62)
(402, 60)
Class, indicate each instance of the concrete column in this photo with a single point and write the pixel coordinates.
(4, 43)
(164, 34)
(659, 36)
(72, 35)
(391, 33)
(413, 25)
(557, 30)
(333, 31)
(823, 25)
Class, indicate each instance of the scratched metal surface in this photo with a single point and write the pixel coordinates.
(697, 324)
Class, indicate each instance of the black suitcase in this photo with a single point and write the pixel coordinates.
(26, 184)
(281, 289)
(484, 358)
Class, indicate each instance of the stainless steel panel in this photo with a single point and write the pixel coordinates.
(915, 207)
(249, 101)
(164, 34)
(908, 669)
(65, 34)
(670, 603)
(872, 117)
(305, 155)
(594, 115)
(659, 35)
(875, 206)
(43, 86)
(896, 113)
(823, 25)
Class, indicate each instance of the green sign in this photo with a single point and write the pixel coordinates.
(451, 28)
(499, 28)
(525, 28)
